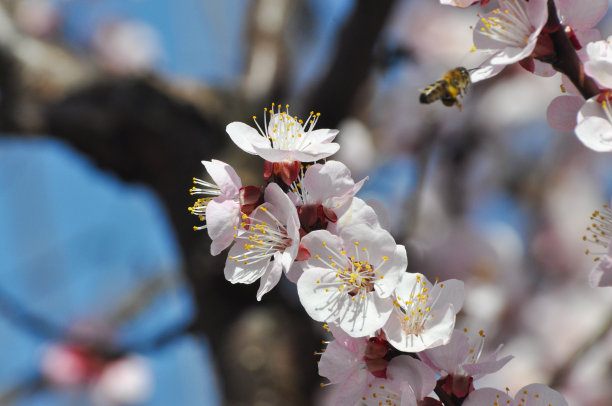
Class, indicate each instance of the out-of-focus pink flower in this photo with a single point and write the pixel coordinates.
(127, 47)
(581, 14)
(461, 362)
(535, 394)
(510, 33)
(37, 17)
(284, 138)
(267, 244)
(123, 382)
(562, 112)
(69, 365)
(349, 279)
(424, 314)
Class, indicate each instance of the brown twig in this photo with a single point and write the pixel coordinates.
(564, 58)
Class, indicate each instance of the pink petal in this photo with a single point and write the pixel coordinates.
(322, 135)
(272, 154)
(421, 378)
(245, 137)
(543, 69)
(600, 70)
(353, 388)
(379, 243)
(338, 362)
(537, 11)
(487, 397)
(392, 270)
(448, 357)
(224, 176)
(270, 277)
(488, 367)
(485, 71)
(283, 207)
(581, 14)
(328, 180)
(221, 218)
(236, 271)
(592, 130)
(450, 291)
(538, 394)
(562, 111)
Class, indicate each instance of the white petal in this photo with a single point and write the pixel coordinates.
(488, 396)
(270, 277)
(221, 220)
(245, 137)
(538, 394)
(224, 176)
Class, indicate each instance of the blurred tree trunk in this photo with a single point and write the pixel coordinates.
(352, 62)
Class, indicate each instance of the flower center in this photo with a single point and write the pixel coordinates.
(355, 275)
(415, 310)
(382, 395)
(285, 132)
(265, 235)
(508, 24)
(208, 189)
(599, 231)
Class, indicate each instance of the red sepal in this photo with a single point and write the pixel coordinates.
(250, 197)
(528, 64)
(303, 254)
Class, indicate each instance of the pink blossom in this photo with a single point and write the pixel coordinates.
(349, 278)
(535, 394)
(221, 213)
(323, 194)
(424, 314)
(360, 367)
(267, 242)
(284, 138)
(126, 381)
(460, 362)
(408, 382)
(509, 33)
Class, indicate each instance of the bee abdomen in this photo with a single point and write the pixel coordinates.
(432, 92)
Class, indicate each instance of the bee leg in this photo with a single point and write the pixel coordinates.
(458, 103)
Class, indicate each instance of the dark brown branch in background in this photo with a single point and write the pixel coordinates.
(565, 59)
(351, 63)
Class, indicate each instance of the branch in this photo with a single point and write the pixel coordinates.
(565, 59)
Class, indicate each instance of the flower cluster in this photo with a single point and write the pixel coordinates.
(395, 337)
(546, 37)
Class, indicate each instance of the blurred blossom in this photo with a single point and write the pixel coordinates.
(438, 36)
(127, 47)
(38, 18)
(358, 151)
(124, 382)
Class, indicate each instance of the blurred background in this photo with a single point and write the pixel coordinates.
(107, 107)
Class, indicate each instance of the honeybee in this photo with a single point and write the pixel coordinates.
(453, 84)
